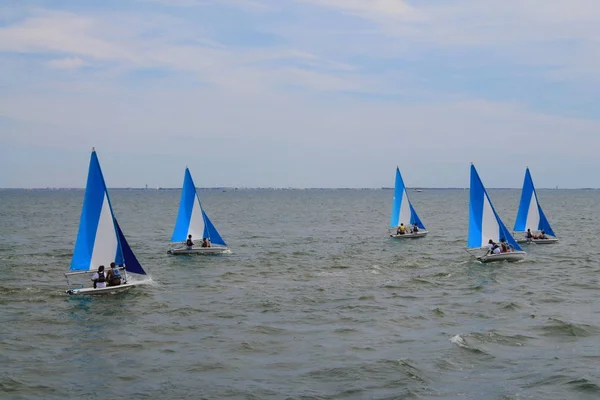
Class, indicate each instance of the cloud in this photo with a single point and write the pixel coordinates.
(69, 63)
(127, 46)
(58, 32)
(373, 9)
(339, 90)
(561, 33)
(248, 4)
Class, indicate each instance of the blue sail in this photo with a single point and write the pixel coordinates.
(129, 259)
(211, 232)
(191, 218)
(402, 209)
(530, 214)
(484, 222)
(414, 218)
(99, 240)
(186, 205)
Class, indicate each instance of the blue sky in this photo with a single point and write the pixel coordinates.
(300, 93)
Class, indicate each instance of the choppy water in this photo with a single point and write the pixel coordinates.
(314, 303)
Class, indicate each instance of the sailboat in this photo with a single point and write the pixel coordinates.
(100, 240)
(192, 220)
(404, 213)
(486, 225)
(530, 216)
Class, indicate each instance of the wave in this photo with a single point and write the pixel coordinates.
(557, 327)
(462, 343)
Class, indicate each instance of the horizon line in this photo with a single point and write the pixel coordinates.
(415, 188)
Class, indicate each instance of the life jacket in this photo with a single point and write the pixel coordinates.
(189, 243)
(116, 274)
(101, 277)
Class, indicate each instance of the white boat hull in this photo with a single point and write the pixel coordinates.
(510, 256)
(107, 290)
(538, 241)
(216, 250)
(409, 235)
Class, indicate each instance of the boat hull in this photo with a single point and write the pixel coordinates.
(100, 291)
(510, 256)
(207, 251)
(538, 241)
(417, 235)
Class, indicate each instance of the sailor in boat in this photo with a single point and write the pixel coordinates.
(113, 276)
(493, 247)
(415, 228)
(505, 247)
(542, 235)
(401, 229)
(99, 278)
(189, 242)
(205, 242)
(528, 235)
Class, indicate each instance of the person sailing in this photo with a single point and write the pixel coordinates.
(114, 276)
(528, 235)
(504, 246)
(99, 278)
(189, 243)
(401, 229)
(493, 248)
(415, 228)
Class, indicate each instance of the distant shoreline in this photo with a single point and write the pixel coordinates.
(415, 189)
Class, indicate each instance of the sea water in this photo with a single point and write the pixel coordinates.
(315, 301)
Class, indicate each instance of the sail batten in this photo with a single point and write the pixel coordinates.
(484, 221)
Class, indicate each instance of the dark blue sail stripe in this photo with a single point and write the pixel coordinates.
(129, 259)
(544, 224)
(414, 218)
(211, 232)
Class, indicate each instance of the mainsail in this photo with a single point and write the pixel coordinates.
(530, 214)
(402, 209)
(191, 218)
(484, 222)
(100, 240)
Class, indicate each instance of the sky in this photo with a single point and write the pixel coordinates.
(300, 93)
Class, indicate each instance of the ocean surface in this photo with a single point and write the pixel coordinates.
(315, 302)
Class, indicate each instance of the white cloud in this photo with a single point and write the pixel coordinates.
(279, 106)
(561, 33)
(376, 9)
(248, 4)
(332, 141)
(120, 41)
(69, 63)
